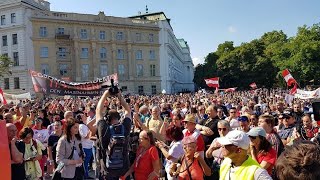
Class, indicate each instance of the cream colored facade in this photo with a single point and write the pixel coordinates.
(82, 47)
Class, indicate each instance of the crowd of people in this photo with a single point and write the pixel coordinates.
(239, 135)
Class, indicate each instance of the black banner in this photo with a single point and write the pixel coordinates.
(50, 85)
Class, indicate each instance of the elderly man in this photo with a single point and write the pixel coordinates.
(17, 149)
(289, 124)
(237, 164)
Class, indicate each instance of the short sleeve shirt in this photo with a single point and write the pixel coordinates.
(143, 164)
(269, 157)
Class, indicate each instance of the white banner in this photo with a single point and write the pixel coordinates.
(301, 94)
(17, 96)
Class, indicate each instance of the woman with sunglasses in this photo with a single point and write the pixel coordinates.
(261, 149)
(147, 163)
(191, 165)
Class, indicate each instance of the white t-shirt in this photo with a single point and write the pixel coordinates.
(234, 123)
(41, 135)
(84, 131)
(176, 151)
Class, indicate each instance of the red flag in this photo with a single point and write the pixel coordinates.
(294, 89)
(5, 163)
(212, 82)
(253, 85)
(230, 89)
(288, 78)
(2, 99)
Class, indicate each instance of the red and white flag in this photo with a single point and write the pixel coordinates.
(294, 89)
(2, 99)
(212, 82)
(288, 78)
(253, 85)
(230, 89)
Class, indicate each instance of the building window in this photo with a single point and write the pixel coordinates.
(152, 70)
(62, 53)
(103, 70)
(44, 52)
(103, 53)
(140, 89)
(3, 20)
(63, 68)
(151, 38)
(139, 70)
(60, 31)
(83, 34)
(15, 59)
(119, 36)
(124, 88)
(5, 54)
(102, 35)
(43, 31)
(84, 53)
(4, 41)
(138, 36)
(16, 83)
(153, 89)
(6, 83)
(152, 55)
(45, 69)
(139, 54)
(13, 18)
(85, 72)
(121, 69)
(120, 54)
(14, 39)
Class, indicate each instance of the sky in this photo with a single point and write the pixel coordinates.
(205, 24)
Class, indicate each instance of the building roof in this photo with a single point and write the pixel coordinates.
(157, 16)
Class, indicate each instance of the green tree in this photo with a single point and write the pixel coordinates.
(5, 64)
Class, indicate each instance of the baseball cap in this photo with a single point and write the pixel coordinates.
(190, 118)
(287, 113)
(243, 118)
(237, 138)
(257, 131)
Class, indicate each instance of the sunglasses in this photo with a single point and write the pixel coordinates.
(232, 112)
(222, 129)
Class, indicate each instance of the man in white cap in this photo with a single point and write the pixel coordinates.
(237, 164)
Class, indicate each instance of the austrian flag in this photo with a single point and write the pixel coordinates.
(290, 81)
(212, 82)
(288, 78)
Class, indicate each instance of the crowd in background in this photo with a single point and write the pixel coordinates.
(239, 135)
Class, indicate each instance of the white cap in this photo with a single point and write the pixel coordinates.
(237, 138)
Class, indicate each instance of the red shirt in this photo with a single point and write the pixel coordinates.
(269, 157)
(200, 141)
(19, 127)
(143, 162)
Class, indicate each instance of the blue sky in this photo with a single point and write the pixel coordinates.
(205, 24)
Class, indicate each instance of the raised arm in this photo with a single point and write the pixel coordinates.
(100, 110)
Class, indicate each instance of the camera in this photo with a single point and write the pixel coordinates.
(113, 89)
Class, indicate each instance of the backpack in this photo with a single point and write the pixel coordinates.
(112, 150)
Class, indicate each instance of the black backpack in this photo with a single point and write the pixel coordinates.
(112, 149)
